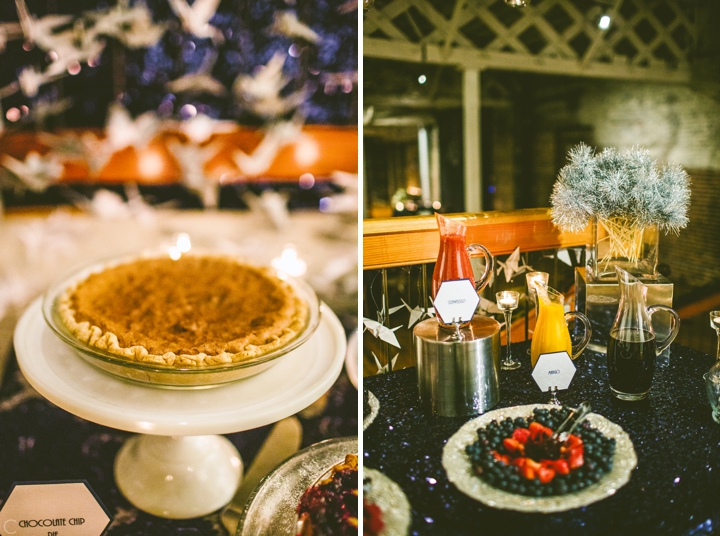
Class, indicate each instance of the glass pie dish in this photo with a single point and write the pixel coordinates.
(173, 376)
(272, 506)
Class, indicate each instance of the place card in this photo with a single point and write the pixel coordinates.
(53, 509)
(555, 370)
(456, 301)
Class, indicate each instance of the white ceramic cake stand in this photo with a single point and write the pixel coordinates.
(178, 468)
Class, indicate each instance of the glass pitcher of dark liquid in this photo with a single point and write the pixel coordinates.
(632, 349)
(454, 257)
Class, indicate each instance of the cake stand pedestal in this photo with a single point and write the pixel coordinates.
(178, 467)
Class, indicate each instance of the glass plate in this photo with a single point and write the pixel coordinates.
(393, 503)
(171, 377)
(270, 509)
(459, 468)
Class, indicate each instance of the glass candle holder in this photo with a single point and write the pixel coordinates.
(507, 301)
(715, 324)
(712, 376)
(712, 388)
(532, 279)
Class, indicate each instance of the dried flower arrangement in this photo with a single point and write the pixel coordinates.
(625, 191)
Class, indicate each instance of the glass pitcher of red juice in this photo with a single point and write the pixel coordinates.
(454, 257)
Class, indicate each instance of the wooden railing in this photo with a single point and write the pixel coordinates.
(415, 240)
(326, 149)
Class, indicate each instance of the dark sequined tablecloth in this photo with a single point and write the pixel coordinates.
(675, 489)
(40, 442)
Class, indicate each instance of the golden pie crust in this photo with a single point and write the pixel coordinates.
(195, 311)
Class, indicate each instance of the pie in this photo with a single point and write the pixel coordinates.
(330, 507)
(198, 310)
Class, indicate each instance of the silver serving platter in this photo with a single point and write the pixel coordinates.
(270, 509)
(391, 500)
(460, 472)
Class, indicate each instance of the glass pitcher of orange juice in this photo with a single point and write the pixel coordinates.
(551, 331)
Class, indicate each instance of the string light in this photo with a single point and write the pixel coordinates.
(604, 23)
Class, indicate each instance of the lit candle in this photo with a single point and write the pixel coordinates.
(536, 280)
(289, 262)
(507, 301)
(716, 321)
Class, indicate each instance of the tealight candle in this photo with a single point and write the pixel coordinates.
(289, 262)
(716, 321)
(509, 302)
(538, 279)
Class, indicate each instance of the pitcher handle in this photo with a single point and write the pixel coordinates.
(578, 348)
(673, 331)
(489, 264)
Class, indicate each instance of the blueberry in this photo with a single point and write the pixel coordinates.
(520, 423)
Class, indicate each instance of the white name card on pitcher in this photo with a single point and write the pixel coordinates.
(456, 301)
(53, 509)
(554, 370)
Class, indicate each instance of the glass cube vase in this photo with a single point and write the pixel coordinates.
(633, 249)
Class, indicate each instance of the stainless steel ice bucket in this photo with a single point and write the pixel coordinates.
(458, 378)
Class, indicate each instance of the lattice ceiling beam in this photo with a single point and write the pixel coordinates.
(540, 38)
(476, 59)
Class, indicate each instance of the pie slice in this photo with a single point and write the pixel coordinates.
(199, 310)
(330, 507)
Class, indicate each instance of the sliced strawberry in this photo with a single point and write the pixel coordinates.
(501, 457)
(576, 458)
(528, 472)
(533, 464)
(561, 466)
(520, 461)
(513, 446)
(573, 441)
(538, 432)
(546, 474)
(521, 434)
(535, 427)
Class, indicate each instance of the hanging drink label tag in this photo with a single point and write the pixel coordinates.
(456, 301)
(53, 509)
(554, 370)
